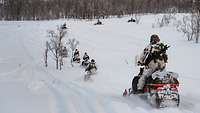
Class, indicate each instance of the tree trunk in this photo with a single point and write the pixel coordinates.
(60, 63)
(197, 39)
(56, 63)
(198, 27)
(197, 35)
(72, 60)
(56, 58)
(46, 63)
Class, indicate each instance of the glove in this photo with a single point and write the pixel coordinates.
(139, 63)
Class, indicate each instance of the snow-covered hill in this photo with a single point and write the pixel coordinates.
(26, 86)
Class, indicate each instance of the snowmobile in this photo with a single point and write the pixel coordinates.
(131, 20)
(161, 89)
(90, 70)
(98, 22)
(85, 63)
(76, 59)
(64, 52)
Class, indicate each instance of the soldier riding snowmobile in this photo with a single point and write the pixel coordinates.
(91, 68)
(85, 61)
(76, 56)
(159, 85)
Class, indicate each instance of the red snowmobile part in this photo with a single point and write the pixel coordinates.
(125, 93)
(161, 85)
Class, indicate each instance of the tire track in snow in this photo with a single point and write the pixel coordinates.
(81, 99)
(59, 101)
(99, 102)
(64, 94)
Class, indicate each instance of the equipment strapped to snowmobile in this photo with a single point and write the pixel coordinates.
(161, 89)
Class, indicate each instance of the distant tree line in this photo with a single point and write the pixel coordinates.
(196, 19)
(85, 9)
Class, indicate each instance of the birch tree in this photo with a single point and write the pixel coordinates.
(55, 45)
(73, 43)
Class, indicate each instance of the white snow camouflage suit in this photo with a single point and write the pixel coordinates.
(151, 65)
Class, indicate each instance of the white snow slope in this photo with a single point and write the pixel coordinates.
(26, 86)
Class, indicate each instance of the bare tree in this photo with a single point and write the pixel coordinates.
(55, 45)
(187, 27)
(137, 18)
(190, 25)
(73, 43)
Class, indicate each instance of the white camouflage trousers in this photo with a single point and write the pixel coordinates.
(141, 81)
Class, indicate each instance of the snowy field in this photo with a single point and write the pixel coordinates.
(26, 86)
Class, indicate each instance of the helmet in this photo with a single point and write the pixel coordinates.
(85, 53)
(92, 60)
(154, 39)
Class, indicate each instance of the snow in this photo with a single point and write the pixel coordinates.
(16, 97)
(28, 87)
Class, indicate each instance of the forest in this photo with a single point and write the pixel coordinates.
(87, 9)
